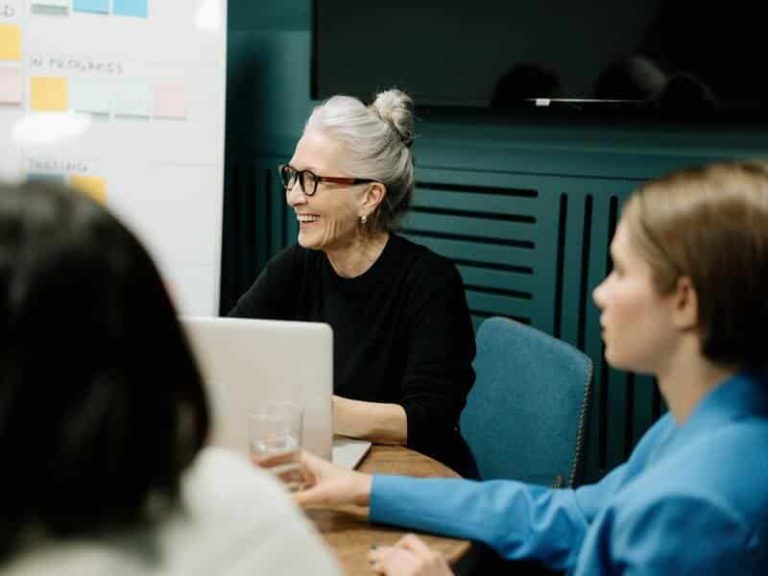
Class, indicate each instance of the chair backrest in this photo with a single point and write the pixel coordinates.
(525, 418)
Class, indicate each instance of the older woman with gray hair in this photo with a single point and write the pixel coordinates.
(403, 339)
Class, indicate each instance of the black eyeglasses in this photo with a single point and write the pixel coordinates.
(308, 180)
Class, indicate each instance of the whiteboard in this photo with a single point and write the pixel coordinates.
(125, 99)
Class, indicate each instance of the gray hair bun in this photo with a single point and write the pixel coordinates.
(396, 107)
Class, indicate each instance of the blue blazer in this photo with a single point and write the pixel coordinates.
(691, 499)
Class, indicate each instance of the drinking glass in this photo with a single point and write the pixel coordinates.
(275, 441)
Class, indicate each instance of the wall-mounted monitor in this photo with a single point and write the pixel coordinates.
(680, 56)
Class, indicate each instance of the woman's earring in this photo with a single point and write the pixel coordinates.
(363, 220)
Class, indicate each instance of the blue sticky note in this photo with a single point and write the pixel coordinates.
(46, 178)
(97, 6)
(89, 96)
(130, 8)
(132, 99)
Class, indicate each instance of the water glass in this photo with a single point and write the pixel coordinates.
(275, 441)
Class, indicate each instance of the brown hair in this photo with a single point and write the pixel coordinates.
(711, 225)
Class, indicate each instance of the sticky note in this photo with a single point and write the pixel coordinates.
(10, 86)
(51, 7)
(136, 8)
(89, 96)
(132, 99)
(95, 6)
(51, 3)
(41, 177)
(93, 186)
(10, 42)
(49, 94)
(168, 101)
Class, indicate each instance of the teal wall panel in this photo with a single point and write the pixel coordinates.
(525, 208)
(269, 15)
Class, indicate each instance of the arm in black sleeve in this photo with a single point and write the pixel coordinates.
(273, 294)
(438, 373)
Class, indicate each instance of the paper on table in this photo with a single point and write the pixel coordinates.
(349, 452)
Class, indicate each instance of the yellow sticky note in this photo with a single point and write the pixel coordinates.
(10, 42)
(94, 186)
(49, 94)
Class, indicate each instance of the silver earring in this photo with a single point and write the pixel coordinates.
(363, 220)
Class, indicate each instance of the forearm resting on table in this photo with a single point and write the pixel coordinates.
(375, 421)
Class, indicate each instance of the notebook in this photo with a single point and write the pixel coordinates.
(247, 363)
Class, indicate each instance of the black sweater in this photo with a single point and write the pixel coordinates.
(402, 333)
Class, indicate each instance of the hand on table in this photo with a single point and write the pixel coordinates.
(328, 484)
(410, 556)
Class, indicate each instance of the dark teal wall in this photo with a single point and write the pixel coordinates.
(268, 99)
(283, 15)
(525, 208)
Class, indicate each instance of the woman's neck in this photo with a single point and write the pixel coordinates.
(685, 383)
(357, 257)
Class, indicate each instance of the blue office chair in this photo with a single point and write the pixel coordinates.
(525, 418)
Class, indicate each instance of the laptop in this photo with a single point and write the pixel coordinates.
(247, 363)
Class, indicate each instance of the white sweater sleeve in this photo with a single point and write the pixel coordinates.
(244, 522)
(234, 520)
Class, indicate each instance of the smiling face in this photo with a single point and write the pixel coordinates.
(637, 322)
(329, 220)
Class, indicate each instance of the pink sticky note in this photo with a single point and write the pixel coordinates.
(168, 101)
(10, 86)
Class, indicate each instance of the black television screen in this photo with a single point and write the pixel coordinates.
(680, 55)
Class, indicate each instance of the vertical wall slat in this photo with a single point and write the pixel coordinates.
(260, 192)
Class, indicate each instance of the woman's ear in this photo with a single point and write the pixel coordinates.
(372, 197)
(686, 311)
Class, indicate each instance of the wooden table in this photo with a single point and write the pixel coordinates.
(346, 528)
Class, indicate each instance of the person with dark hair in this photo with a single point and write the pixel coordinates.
(402, 335)
(686, 302)
(103, 415)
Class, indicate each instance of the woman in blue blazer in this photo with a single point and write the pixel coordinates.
(687, 301)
